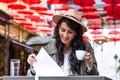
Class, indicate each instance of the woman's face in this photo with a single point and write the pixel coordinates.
(66, 34)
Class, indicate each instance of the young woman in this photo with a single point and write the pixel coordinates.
(68, 38)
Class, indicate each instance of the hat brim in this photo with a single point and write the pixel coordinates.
(56, 18)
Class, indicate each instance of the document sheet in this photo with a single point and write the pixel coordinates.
(46, 66)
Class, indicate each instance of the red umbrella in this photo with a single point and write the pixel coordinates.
(25, 12)
(46, 30)
(94, 22)
(110, 18)
(20, 19)
(112, 8)
(100, 39)
(84, 3)
(91, 15)
(94, 27)
(87, 9)
(32, 1)
(96, 32)
(25, 24)
(115, 15)
(85, 37)
(112, 1)
(56, 1)
(114, 39)
(35, 18)
(114, 32)
(8, 1)
(38, 8)
(113, 26)
(42, 24)
(32, 29)
(48, 12)
(63, 7)
(16, 6)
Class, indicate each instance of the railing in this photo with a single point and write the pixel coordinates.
(56, 78)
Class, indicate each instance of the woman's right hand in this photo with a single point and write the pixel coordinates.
(31, 59)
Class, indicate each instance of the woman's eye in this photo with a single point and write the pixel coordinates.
(63, 30)
(70, 32)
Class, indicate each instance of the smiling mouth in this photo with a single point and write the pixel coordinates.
(64, 39)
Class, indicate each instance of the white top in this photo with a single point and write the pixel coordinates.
(66, 66)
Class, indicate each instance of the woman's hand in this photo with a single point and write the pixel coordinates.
(31, 58)
(88, 59)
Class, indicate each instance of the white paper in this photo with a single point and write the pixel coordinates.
(46, 66)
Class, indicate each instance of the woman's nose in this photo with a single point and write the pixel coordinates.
(65, 34)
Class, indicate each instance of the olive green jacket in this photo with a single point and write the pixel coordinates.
(51, 49)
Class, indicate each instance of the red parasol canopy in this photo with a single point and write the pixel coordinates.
(35, 18)
(115, 15)
(94, 27)
(57, 1)
(25, 12)
(25, 24)
(46, 30)
(96, 32)
(48, 12)
(20, 19)
(42, 24)
(87, 9)
(113, 10)
(8, 1)
(32, 1)
(114, 32)
(114, 39)
(110, 18)
(84, 3)
(91, 15)
(100, 39)
(85, 37)
(16, 6)
(38, 8)
(32, 29)
(63, 7)
(111, 1)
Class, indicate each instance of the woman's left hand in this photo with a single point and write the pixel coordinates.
(88, 59)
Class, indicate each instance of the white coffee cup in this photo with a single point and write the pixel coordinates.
(80, 54)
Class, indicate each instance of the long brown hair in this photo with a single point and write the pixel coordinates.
(76, 44)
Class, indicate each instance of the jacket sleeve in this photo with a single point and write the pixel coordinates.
(31, 72)
(51, 50)
(89, 49)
